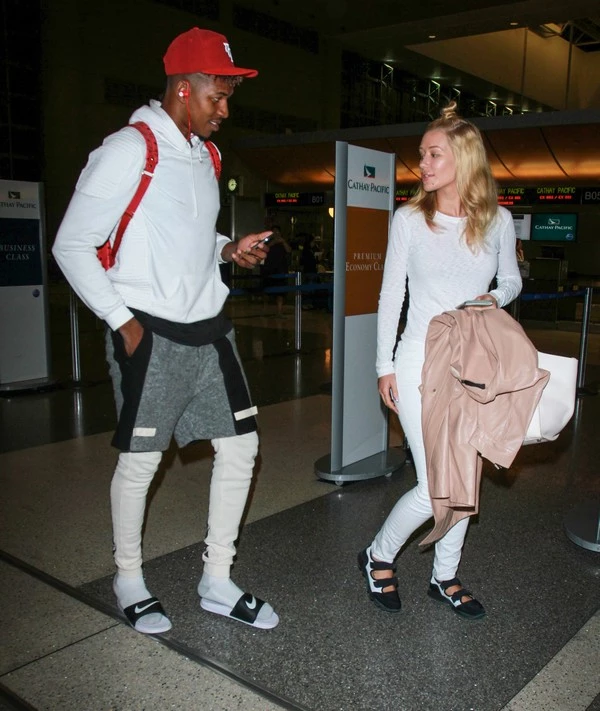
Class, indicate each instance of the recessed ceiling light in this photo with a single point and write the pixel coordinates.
(514, 24)
(432, 36)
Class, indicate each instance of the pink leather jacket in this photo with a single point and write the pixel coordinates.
(480, 387)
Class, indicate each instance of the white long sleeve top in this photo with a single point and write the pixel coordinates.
(168, 262)
(441, 272)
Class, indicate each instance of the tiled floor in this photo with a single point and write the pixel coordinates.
(64, 646)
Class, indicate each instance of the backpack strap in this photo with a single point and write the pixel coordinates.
(215, 156)
(108, 253)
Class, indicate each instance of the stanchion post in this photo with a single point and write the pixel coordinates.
(74, 321)
(298, 312)
(583, 342)
(582, 524)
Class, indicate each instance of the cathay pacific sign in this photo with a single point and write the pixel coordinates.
(561, 227)
(369, 181)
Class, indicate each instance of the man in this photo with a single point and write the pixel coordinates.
(171, 351)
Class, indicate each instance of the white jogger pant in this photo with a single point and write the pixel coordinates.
(230, 482)
(414, 508)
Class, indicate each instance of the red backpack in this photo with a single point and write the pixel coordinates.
(107, 253)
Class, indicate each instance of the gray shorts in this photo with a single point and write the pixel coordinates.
(167, 389)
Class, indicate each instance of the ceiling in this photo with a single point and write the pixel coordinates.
(392, 22)
(550, 148)
(378, 28)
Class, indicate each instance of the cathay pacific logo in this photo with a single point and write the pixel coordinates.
(369, 171)
(553, 221)
(14, 195)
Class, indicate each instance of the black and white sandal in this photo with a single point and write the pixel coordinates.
(147, 616)
(247, 610)
(388, 601)
(471, 609)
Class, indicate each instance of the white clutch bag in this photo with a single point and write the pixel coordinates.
(557, 403)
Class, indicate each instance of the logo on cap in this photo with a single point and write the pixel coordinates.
(228, 50)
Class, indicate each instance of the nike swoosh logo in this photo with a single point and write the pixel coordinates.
(252, 604)
(139, 609)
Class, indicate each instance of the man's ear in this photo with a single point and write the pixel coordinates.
(183, 90)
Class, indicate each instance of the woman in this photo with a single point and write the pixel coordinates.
(450, 240)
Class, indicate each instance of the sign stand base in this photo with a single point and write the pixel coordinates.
(381, 464)
(582, 526)
(19, 386)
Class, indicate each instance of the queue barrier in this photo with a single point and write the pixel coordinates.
(297, 288)
(557, 295)
(582, 524)
(588, 294)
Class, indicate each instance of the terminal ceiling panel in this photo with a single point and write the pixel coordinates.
(525, 154)
(577, 149)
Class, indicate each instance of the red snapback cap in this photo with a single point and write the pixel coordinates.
(202, 51)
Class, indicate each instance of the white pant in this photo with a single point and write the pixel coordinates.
(414, 508)
(230, 482)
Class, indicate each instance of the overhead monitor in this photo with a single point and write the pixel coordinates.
(522, 225)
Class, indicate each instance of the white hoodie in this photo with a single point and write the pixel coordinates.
(168, 262)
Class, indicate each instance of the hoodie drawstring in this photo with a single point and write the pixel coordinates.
(193, 180)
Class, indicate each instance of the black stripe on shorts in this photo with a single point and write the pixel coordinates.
(133, 374)
(235, 385)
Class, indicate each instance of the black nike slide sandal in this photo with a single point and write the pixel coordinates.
(247, 610)
(138, 616)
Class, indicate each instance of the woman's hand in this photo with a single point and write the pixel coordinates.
(487, 297)
(389, 391)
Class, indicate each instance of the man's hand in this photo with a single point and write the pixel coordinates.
(248, 251)
(132, 332)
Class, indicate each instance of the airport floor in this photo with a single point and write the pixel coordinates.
(65, 646)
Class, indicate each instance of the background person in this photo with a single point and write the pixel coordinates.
(521, 261)
(276, 262)
(308, 266)
(167, 336)
(450, 240)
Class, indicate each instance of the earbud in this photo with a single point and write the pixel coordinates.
(184, 92)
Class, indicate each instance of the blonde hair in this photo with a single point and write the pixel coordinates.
(474, 181)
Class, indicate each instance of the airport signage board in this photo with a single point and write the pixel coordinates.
(559, 227)
(524, 195)
(364, 204)
(513, 196)
(291, 199)
(24, 340)
(555, 194)
(590, 196)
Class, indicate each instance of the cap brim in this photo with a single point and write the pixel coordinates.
(231, 72)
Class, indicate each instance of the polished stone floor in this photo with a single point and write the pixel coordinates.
(64, 645)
